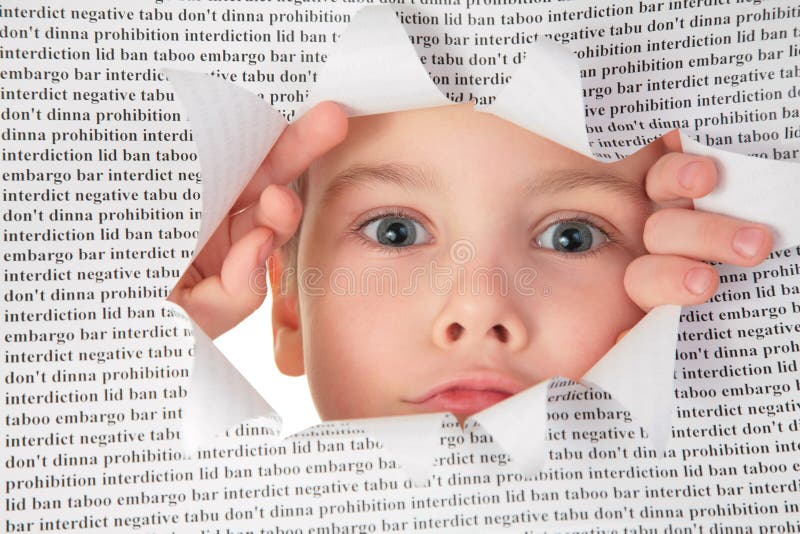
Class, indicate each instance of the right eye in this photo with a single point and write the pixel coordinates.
(572, 236)
(396, 232)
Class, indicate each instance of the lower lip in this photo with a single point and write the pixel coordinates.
(464, 401)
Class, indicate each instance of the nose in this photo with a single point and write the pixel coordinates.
(484, 323)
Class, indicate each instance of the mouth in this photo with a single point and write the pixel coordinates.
(470, 395)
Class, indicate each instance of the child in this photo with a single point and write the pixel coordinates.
(448, 259)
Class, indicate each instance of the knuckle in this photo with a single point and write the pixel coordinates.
(654, 176)
(659, 170)
(278, 205)
(712, 230)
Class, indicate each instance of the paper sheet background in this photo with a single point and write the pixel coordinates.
(374, 69)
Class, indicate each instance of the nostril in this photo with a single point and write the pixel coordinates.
(501, 332)
(454, 331)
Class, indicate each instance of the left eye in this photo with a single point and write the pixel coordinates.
(571, 236)
(396, 232)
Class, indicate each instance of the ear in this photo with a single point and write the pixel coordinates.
(286, 331)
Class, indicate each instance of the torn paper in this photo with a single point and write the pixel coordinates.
(375, 70)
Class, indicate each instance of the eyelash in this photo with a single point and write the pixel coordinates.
(357, 228)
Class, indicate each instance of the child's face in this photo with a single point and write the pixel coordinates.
(457, 215)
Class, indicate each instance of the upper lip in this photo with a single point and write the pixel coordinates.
(476, 381)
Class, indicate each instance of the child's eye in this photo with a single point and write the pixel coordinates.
(572, 236)
(396, 232)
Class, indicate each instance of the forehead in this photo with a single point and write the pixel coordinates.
(437, 147)
(442, 136)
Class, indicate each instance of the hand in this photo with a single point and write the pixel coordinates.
(677, 237)
(218, 289)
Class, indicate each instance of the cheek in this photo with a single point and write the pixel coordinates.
(584, 314)
(355, 358)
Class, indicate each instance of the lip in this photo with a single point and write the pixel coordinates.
(469, 394)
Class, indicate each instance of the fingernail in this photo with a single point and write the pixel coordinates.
(687, 173)
(748, 241)
(698, 280)
(264, 251)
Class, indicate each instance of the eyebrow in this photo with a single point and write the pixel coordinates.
(553, 183)
(414, 180)
(408, 177)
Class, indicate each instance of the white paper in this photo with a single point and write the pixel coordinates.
(518, 425)
(407, 439)
(76, 472)
(219, 397)
(544, 96)
(374, 69)
(637, 371)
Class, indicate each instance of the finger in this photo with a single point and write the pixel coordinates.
(678, 176)
(278, 208)
(622, 334)
(672, 141)
(707, 236)
(244, 264)
(653, 280)
(221, 301)
(317, 131)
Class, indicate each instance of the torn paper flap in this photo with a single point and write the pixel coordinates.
(545, 97)
(234, 131)
(519, 426)
(375, 69)
(754, 189)
(637, 372)
(219, 396)
(407, 439)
